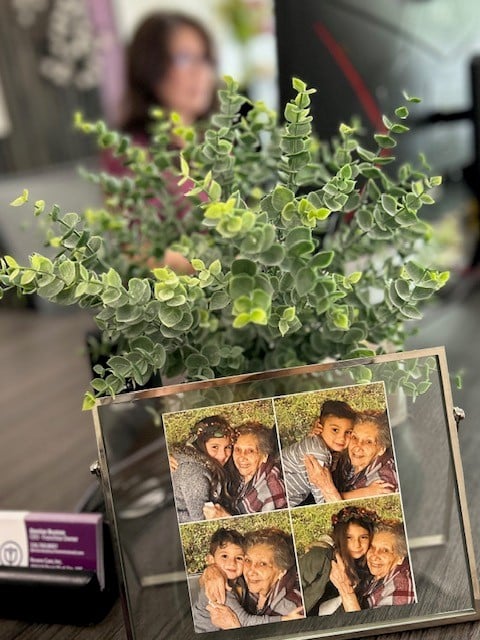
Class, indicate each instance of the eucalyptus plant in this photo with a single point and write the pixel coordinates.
(300, 249)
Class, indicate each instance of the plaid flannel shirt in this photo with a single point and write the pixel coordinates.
(381, 468)
(284, 597)
(264, 492)
(395, 588)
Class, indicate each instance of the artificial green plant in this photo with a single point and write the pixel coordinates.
(301, 249)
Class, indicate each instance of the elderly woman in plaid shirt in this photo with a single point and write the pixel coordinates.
(260, 485)
(391, 581)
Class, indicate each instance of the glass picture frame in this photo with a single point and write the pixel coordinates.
(161, 552)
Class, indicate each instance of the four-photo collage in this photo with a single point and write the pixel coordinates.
(289, 507)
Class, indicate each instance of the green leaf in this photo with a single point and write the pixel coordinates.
(399, 128)
(170, 316)
(196, 361)
(18, 202)
(241, 285)
(259, 316)
(28, 276)
(39, 207)
(393, 296)
(144, 343)
(385, 142)
(387, 122)
(402, 289)
(138, 291)
(128, 313)
(362, 374)
(361, 352)
(389, 204)
(422, 293)
(302, 248)
(219, 300)
(261, 299)
(243, 304)
(197, 264)
(299, 237)
(341, 320)
(401, 112)
(304, 281)
(412, 99)
(120, 365)
(67, 271)
(365, 154)
(88, 401)
(215, 268)
(109, 296)
(13, 264)
(322, 259)
(370, 172)
(241, 320)
(244, 267)
(411, 312)
(281, 196)
(414, 271)
(113, 279)
(283, 327)
(364, 219)
(52, 289)
(273, 256)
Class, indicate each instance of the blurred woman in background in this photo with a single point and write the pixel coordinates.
(170, 64)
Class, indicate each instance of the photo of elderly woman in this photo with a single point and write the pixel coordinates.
(354, 557)
(226, 463)
(367, 466)
(249, 576)
(336, 444)
(259, 485)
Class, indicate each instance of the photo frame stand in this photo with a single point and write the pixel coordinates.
(430, 473)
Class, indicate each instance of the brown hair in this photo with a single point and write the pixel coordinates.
(215, 426)
(341, 521)
(221, 537)
(337, 409)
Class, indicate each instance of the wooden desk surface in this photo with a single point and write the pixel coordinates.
(48, 443)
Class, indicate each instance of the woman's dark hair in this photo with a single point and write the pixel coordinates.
(147, 62)
(215, 426)
(364, 518)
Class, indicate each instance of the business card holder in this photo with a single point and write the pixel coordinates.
(58, 596)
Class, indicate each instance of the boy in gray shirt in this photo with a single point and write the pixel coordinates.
(335, 424)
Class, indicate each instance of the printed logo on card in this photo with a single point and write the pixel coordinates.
(11, 554)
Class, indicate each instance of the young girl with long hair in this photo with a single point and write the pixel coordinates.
(202, 472)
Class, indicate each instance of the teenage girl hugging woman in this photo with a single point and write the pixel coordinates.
(202, 468)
